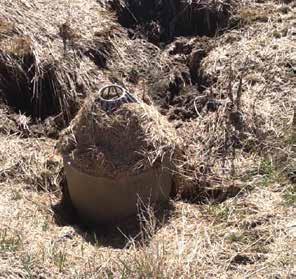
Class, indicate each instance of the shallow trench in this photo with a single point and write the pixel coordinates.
(184, 30)
(164, 20)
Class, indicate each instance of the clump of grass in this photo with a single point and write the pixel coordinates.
(267, 172)
(289, 195)
(8, 242)
(266, 168)
(6, 29)
(40, 67)
(28, 263)
(18, 47)
(220, 212)
(250, 15)
(59, 259)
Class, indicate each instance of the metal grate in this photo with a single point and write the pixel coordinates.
(113, 96)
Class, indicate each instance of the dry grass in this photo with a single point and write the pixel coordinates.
(131, 139)
(249, 235)
(56, 48)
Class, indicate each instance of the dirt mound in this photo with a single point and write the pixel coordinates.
(131, 139)
(51, 59)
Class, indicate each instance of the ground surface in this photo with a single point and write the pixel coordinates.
(249, 234)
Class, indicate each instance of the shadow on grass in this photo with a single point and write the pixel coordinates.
(134, 230)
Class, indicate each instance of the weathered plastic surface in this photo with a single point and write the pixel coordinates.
(103, 199)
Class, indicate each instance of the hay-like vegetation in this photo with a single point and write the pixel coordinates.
(165, 20)
(129, 140)
(235, 216)
(48, 58)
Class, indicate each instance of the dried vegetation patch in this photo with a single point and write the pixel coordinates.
(92, 141)
(48, 58)
(233, 215)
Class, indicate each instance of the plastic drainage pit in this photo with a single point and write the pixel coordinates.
(109, 200)
(101, 199)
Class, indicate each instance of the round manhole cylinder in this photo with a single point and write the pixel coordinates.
(112, 96)
(105, 199)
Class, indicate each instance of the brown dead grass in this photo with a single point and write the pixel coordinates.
(131, 139)
(250, 235)
(65, 60)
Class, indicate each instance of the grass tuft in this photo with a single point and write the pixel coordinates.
(289, 195)
(9, 242)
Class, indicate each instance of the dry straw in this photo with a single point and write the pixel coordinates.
(48, 52)
(131, 139)
(251, 235)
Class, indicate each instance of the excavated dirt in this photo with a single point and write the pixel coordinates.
(183, 96)
(162, 21)
(181, 33)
